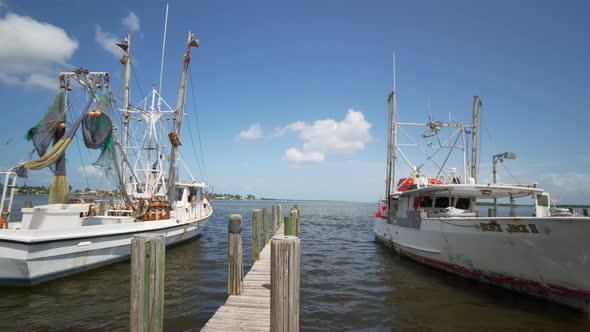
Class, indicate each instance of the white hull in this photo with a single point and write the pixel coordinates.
(45, 255)
(544, 257)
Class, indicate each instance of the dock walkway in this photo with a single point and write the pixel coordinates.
(249, 311)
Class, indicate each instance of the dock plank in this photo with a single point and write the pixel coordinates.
(249, 311)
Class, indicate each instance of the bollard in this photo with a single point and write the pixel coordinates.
(28, 204)
(290, 225)
(235, 268)
(147, 280)
(275, 217)
(255, 236)
(284, 283)
(585, 212)
(265, 225)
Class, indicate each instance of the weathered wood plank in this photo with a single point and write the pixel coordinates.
(249, 311)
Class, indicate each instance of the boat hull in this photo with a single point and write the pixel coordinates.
(28, 264)
(543, 257)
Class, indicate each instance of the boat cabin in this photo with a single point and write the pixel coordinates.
(459, 200)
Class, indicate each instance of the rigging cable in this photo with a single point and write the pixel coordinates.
(197, 121)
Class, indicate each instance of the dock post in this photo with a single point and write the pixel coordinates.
(295, 213)
(235, 268)
(255, 235)
(265, 225)
(284, 283)
(280, 211)
(148, 252)
(290, 226)
(585, 212)
(275, 217)
(28, 204)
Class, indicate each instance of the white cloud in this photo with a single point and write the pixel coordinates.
(90, 171)
(571, 186)
(131, 22)
(107, 41)
(253, 132)
(299, 158)
(327, 136)
(31, 51)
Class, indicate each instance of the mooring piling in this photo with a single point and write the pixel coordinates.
(284, 283)
(290, 225)
(265, 224)
(235, 268)
(585, 212)
(275, 217)
(148, 252)
(256, 235)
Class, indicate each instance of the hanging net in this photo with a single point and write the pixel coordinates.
(97, 125)
(44, 132)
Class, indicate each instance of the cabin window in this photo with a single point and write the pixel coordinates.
(426, 201)
(441, 202)
(543, 200)
(179, 194)
(192, 191)
(462, 203)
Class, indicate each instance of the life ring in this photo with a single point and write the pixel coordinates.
(434, 181)
(404, 183)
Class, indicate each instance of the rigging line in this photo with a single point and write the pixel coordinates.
(507, 170)
(194, 148)
(137, 81)
(197, 121)
(80, 152)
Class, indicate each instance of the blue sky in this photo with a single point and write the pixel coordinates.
(282, 67)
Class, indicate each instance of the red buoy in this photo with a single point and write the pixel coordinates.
(383, 207)
(378, 214)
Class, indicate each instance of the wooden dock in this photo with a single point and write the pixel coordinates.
(249, 311)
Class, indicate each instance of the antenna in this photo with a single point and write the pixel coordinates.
(393, 70)
(163, 49)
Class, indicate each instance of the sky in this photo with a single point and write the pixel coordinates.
(291, 98)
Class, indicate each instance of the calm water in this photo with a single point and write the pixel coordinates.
(349, 282)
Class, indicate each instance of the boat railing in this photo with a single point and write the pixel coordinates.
(9, 183)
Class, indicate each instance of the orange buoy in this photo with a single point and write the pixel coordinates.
(97, 113)
(404, 184)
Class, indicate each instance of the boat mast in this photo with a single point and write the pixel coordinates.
(174, 136)
(391, 139)
(126, 61)
(476, 105)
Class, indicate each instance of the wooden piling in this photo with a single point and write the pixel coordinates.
(235, 268)
(275, 217)
(255, 235)
(28, 204)
(294, 212)
(284, 283)
(290, 225)
(491, 213)
(265, 225)
(147, 282)
(280, 211)
(585, 212)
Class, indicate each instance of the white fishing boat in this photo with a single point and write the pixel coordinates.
(431, 216)
(139, 151)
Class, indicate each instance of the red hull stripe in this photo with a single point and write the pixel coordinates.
(530, 285)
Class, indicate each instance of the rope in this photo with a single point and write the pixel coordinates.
(137, 81)
(197, 121)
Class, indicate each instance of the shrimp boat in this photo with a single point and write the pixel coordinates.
(430, 215)
(66, 235)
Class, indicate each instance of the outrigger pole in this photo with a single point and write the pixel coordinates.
(391, 140)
